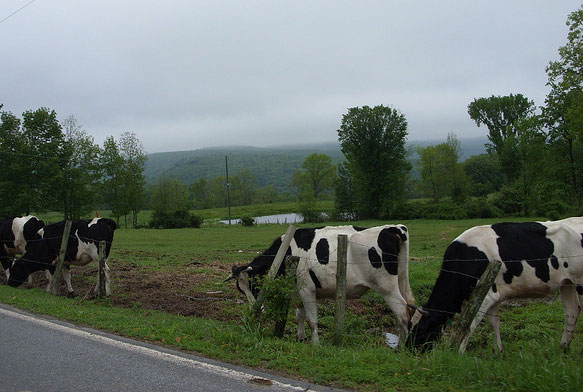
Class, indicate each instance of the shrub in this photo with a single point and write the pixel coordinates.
(247, 221)
(174, 220)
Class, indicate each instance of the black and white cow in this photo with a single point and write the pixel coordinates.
(538, 258)
(15, 233)
(377, 259)
(82, 248)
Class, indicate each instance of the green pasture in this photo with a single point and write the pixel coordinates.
(530, 332)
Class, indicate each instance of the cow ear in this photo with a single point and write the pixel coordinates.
(231, 276)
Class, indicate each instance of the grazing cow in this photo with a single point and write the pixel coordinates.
(377, 259)
(538, 258)
(15, 232)
(83, 247)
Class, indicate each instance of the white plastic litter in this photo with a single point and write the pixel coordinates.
(391, 340)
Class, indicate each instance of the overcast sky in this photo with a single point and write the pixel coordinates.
(184, 75)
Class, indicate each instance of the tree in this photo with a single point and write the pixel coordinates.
(500, 115)
(171, 205)
(483, 173)
(112, 184)
(43, 159)
(134, 159)
(441, 173)
(13, 197)
(317, 175)
(373, 143)
(563, 111)
(344, 203)
(80, 176)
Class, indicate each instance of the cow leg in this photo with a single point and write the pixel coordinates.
(571, 309)
(494, 321)
(308, 297)
(398, 306)
(67, 278)
(491, 300)
(301, 321)
(49, 277)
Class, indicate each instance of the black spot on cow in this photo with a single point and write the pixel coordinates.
(462, 266)
(323, 251)
(397, 232)
(566, 265)
(524, 242)
(305, 237)
(555, 262)
(374, 258)
(494, 288)
(359, 228)
(315, 280)
(389, 243)
(579, 289)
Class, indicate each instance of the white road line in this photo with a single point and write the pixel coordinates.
(231, 373)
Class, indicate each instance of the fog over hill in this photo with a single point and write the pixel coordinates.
(269, 166)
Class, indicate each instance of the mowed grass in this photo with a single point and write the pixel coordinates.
(530, 332)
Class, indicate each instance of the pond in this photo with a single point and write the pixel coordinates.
(279, 218)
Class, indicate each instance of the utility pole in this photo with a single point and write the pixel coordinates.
(228, 189)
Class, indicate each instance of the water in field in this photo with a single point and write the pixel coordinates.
(280, 218)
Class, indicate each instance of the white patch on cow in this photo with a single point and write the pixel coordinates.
(93, 222)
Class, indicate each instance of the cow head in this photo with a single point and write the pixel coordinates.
(424, 328)
(38, 256)
(243, 276)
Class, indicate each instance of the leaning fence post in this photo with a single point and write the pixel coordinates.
(291, 264)
(289, 234)
(340, 288)
(101, 270)
(461, 327)
(54, 286)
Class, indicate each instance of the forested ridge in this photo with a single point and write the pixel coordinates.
(269, 166)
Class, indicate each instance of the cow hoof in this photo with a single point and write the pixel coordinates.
(71, 294)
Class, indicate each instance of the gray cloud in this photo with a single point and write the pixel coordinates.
(190, 74)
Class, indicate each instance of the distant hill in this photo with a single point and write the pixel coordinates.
(270, 166)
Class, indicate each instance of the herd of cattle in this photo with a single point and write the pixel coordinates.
(537, 258)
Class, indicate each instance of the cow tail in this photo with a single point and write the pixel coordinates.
(403, 271)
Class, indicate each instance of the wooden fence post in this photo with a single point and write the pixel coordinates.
(101, 270)
(291, 264)
(340, 288)
(54, 286)
(461, 327)
(289, 234)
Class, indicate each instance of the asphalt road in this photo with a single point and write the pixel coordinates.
(39, 354)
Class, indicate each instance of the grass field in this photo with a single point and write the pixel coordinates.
(181, 268)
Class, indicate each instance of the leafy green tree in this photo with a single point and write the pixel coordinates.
(344, 202)
(43, 159)
(373, 143)
(317, 175)
(134, 159)
(112, 184)
(441, 173)
(201, 194)
(171, 205)
(242, 188)
(80, 176)
(483, 173)
(13, 198)
(500, 115)
(563, 111)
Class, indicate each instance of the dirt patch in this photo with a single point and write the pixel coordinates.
(182, 291)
